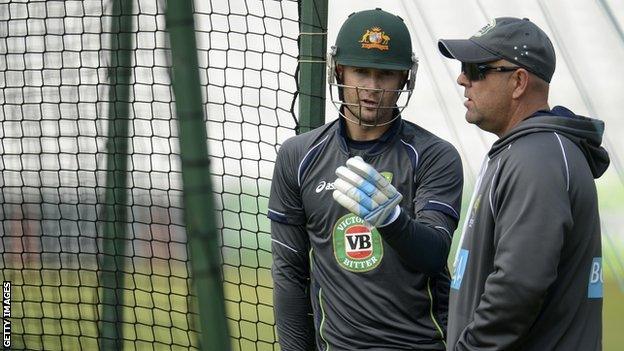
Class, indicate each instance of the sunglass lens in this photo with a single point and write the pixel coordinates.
(471, 71)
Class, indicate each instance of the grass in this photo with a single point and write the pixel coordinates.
(613, 317)
(57, 309)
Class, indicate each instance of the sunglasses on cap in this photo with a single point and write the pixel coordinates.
(477, 71)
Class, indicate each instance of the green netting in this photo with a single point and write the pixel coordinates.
(55, 92)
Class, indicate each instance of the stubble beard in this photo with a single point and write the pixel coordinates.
(370, 116)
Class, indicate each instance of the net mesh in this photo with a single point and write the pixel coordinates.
(55, 83)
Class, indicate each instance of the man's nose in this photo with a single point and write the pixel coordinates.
(463, 80)
(373, 81)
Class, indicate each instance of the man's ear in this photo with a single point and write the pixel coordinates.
(520, 79)
(339, 72)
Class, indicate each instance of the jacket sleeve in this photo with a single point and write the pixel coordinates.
(531, 210)
(423, 238)
(291, 287)
(290, 247)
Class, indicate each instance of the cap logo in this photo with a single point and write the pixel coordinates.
(486, 28)
(375, 38)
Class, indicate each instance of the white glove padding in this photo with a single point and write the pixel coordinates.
(366, 193)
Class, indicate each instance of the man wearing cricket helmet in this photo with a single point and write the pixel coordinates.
(366, 105)
(359, 261)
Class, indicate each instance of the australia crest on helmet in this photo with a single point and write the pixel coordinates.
(375, 38)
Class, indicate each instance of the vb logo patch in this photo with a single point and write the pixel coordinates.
(375, 38)
(357, 247)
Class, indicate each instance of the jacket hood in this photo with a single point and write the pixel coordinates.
(585, 132)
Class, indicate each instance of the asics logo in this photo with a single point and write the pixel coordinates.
(323, 185)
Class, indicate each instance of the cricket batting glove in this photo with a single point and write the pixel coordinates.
(366, 193)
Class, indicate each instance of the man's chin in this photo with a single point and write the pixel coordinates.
(471, 119)
(372, 121)
(368, 117)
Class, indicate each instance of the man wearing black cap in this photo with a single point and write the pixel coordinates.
(359, 262)
(528, 272)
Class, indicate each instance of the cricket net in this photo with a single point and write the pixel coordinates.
(57, 93)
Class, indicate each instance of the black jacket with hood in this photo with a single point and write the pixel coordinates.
(527, 274)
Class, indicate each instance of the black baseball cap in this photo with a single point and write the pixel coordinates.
(516, 40)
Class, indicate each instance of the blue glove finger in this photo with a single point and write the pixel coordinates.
(370, 174)
(350, 204)
(355, 194)
(357, 181)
